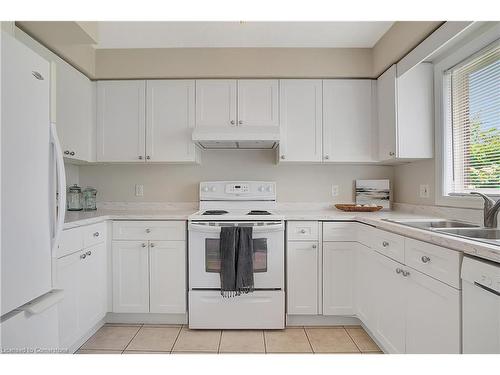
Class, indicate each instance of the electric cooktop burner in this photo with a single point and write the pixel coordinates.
(258, 212)
(215, 212)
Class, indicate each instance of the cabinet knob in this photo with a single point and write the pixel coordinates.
(302, 231)
(391, 153)
(385, 244)
(406, 273)
(88, 253)
(152, 244)
(148, 157)
(37, 75)
(96, 234)
(326, 157)
(240, 122)
(148, 230)
(283, 157)
(66, 152)
(143, 245)
(83, 256)
(72, 153)
(140, 157)
(232, 122)
(425, 259)
(399, 270)
(314, 246)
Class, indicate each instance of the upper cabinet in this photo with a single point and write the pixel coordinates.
(246, 102)
(170, 118)
(75, 112)
(349, 120)
(131, 128)
(300, 120)
(121, 121)
(405, 114)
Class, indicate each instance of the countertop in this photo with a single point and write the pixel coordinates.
(480, 249)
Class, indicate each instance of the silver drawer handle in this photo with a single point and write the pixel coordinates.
(148, 230)
(83, 256)
(282, 157)
(37, 75)
(302, 231)
(406, 273)
(314, 246)
(399, 270)
(425, 259)
(66, 152)
(88, 253)
(385, 244)
(96, 234)
(152, 244)
(143, 245)
(72, 153)
(232, 122)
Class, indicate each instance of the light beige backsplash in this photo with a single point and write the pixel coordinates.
(409, 177)
(179, 183)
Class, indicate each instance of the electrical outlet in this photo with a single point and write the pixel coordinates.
(424, 191)
(335, 190)
(139, 190)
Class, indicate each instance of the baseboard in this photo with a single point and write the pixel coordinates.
(146, 318)
(320, 320)
(73, 348)
(374, 338)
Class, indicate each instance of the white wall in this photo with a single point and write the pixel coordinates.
(409, 177)
(169, 183)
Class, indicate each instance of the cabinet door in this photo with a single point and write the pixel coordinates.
(170, 121)
(216, 103)
(302, 278)
(258, 102)
(338, 278)
(386, 99)
(390, 317)
(92, 287)
(121, 121)
(75, 116)
(67, 271)
(167, 265)
(300, 120)
(433, 311)
(366, 287)
(349, 131)
(130, 276)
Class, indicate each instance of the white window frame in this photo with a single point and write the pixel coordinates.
(447, 62)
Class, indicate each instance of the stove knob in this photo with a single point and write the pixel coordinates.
(261, 188)
(204, 188)
(269, 188)
(212, 188)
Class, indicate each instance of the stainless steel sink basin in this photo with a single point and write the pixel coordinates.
(434, 224)
(475, 233)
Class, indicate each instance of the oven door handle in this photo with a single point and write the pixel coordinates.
(256, 229)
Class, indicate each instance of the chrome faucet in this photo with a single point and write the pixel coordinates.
(491, 209)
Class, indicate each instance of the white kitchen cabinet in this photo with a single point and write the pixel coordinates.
(167, 277)
(301, 120)
(406, 113)
(82, 277)
(366, 289)
(338, 277)
(433, 321)
(302, 277)
(349, 120)
(390, 297)
(258, 102)
(216, 103)
(170, 121)
(121, 119)
(130, 276)
(75, 112)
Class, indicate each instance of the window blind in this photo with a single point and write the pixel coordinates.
(473, 118)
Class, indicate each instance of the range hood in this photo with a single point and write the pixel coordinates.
(247, 138)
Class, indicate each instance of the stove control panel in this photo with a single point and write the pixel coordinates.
(237, 188)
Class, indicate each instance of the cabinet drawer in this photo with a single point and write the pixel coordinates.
(302, 230)
(388, 244)
(94, 234)
(347, 231)
(71, 240)
(436, 261)
(149, 230)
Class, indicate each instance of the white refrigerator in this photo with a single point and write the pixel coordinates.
(32, 213)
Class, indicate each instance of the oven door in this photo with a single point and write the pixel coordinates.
(204, 254)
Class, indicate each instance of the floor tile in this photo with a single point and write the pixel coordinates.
(362, 340)
(122, 325)
(289, 340)
(163, 325)
(111, 338)
(190, 340)
(160, 339)
(96, 351)
(242, 341)
(331, 340)
(143, 352)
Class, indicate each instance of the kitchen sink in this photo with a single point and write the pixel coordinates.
(474, 233)
(433, 224)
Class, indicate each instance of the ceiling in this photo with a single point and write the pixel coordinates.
(360, 34)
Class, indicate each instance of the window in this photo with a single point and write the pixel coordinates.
(472, 124)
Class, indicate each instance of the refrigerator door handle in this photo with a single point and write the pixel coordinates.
(61, 187)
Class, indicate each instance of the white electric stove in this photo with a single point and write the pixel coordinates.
(236, 203)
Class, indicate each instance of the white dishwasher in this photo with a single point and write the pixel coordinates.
(481, 306)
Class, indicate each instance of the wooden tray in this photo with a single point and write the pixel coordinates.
(353, 208)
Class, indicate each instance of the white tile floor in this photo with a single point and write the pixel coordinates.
(176, 339)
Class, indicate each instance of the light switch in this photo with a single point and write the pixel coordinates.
(335, 190)
(424, 191)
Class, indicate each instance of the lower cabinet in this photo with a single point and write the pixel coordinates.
(302, 279)
(149, 276)
(338, 277)
(365, 286)
(82, 276)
